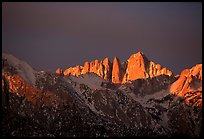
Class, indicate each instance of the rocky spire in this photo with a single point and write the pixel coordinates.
(59, 71)
(117, 71)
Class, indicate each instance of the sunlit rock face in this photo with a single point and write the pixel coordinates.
(189, 85)
(68, 71)
(76, 71)
(59, 71)
(101, 68)
(107, 69)
(156, 69)
(38, 97)
(140, 67)
(136, 67)
(117, 71)
(85, 68)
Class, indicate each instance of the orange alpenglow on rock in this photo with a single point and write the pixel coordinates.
(77, 70)
(59, 71)
(156, 70)
(186, 80)
(190, 80)
(95, 66)
(107, 69)
(117, 71)
(85, 68)
(68, 71)
(138, 66)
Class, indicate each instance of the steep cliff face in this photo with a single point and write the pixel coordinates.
(117, 71)
(76, 71)
(189, 85)
(156, 70)
(107, 69)
(139, 67)
(136, 67)
(85, 68)
(101, 68)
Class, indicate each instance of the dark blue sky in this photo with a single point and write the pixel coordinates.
(52, 35)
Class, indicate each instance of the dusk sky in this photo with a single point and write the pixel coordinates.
(52, 35)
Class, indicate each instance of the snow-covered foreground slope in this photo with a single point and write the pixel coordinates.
(90, 79)
(23, 69)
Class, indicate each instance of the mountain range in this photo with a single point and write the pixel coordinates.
(135, 98)
(136, 67)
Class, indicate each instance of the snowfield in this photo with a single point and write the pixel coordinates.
(23, 68)
(92, 80)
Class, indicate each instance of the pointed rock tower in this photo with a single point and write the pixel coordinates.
(59, 71)
(117, 71)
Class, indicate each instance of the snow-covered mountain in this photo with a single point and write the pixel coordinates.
(91, 105)
(21, 67)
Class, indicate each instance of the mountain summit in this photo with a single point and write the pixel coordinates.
(138, 67)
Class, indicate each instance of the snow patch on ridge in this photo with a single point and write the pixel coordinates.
(90, 79)
(23, 68)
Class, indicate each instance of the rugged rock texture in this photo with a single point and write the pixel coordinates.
(136, 67)
(189, 85)
(156, 69)
(102, 69)
(76, 71)
(59, 71)
(139, 67)
(85, 68)
(89, 106)
(117, 71)
(107, 69)
(17, 66)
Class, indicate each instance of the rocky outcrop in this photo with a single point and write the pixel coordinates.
(14, 65)
(59, 71)
(139, 67)
(189, 85)
(156, 70)
(76, 71)
(101, 68)
(136, 67)
(107, 69)
(85, 68)
(117, 71)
